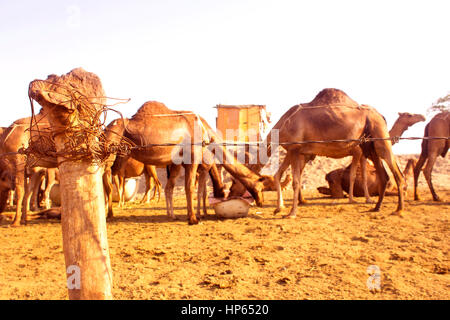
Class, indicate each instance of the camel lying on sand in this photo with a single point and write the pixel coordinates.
(439, 126)
(127, 167)
(339, 179)
(332, 115)
(166, 137)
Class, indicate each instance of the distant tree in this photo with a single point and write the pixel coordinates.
(442, 104)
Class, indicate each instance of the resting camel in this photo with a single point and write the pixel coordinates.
(181, 134)
(16, 136)
(439, 126)
(339, 179)
(332, 115)
(127, 167)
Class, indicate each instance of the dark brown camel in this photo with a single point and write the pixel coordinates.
(332, 115)
(439, 126)
(339, 179)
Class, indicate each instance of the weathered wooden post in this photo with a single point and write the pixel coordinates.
(74, 103)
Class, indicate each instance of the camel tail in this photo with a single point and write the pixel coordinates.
(447, 145)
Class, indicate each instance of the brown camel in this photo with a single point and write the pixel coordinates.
(332, 115)
(339, 179)
(16, 136)
(127, 167)
(181, 135)
(439, 126)
(7, 183)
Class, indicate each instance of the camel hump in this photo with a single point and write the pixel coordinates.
(332, 96)
(151, 108)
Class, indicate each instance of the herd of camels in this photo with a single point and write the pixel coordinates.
(331, 115)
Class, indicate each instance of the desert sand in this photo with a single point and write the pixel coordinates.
(322, 254)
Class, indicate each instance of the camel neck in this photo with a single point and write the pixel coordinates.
(397, 130)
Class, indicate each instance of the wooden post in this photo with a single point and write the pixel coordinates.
(83, 219)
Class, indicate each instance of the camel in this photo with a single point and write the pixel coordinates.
(127, 167)
(339, 180)
(167, 137)
(439, 126)
(332, 115)
(7, 183)
(16, 136)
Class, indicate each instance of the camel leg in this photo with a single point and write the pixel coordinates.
(51, 181)
(151, 187)
(189, 184)
(201, 192)
(36, 181)
(363, 163)
(11, 198)
(146, 198)
(399, 180)
(417, 170)
(297, 165)
(20, 181)
(427, 173)
(277, 178)
(120, 190)
(151, 170)
(355, 159)
(301, 199)
(383, 179)
(168, 189)
(107, 185)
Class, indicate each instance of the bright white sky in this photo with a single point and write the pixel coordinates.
(194, 54)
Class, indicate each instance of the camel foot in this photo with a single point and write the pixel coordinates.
(417, 198)
(15, 224)
(370, 201)
(278, 210)
(437, 199)
(375, 210)
(192, 221)
(290, 216)
(398, 213)
(303, 201)
(352, 201)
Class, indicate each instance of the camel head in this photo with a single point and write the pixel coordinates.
(408, 119)
(237, 189)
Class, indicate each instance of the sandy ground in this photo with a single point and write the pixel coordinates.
(322, 254)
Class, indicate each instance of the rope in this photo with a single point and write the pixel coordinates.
(127, 148)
